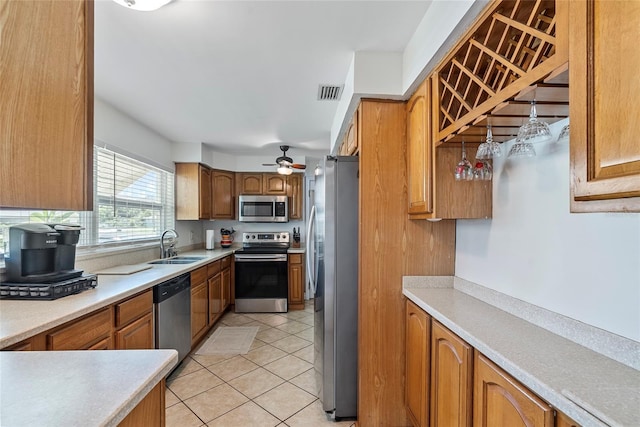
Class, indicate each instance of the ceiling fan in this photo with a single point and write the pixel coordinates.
(285, 163)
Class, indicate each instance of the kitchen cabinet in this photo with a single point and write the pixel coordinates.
(274, 184)
(90, 332)
(222, 194)
(604, 107)
(46, 124)
(150, 411)
(563, 421)
(432, 189)
(225, 278)
(500, 400)
(417, 356)
(134, 322)
(215, 291)
(296, 282)
(294, 191)
(199, 304)
(401, 247)
(350, 142)
(451, 378)
(193, 191)
(249, 183)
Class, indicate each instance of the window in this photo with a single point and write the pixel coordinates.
(133, 201)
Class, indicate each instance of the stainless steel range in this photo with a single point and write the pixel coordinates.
(262, 283)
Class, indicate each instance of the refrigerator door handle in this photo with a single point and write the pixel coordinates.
(310, 254)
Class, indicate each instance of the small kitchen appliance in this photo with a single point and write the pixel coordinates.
(41, 262)
(263, 208)
(261, 273)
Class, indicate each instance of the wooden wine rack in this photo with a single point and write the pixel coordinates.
(514, 45)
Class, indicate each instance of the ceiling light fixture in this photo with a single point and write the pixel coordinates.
(142, 5)
(285, 170)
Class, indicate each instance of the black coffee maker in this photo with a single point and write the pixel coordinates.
(42, 253)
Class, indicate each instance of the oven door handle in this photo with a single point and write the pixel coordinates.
(261, 258)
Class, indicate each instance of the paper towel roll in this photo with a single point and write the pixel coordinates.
(209, 240)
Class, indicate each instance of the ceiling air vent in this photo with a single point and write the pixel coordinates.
(329, 92)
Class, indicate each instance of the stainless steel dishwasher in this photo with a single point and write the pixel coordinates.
(172, 308)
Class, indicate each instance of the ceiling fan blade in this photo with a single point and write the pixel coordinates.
(298, 166)
(269, 164)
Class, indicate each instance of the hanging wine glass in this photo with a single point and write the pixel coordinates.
(534, 131)
(489, 149)
(482, 171)
(564, 135)
(464, 170)
(521, 148)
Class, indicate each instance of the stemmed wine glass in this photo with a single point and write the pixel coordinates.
(464, 170)
(522, 148)
(534, 131)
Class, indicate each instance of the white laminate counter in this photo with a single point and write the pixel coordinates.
(296, 250)
(589, 387)
(21, 319)
(77, 388)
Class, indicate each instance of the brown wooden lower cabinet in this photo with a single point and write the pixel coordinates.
(225, 276)
(91, 332)
(150, 411)
(500, 400)
(296, 282)
(563, 421)
(215, 297)
(451, 378)
(417, 353)
(199, 310)
(138, 335)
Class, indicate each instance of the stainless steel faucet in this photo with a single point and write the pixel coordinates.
(171, 250)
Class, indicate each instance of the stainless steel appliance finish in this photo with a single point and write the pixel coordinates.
(333, 266)
(172, 309)
(263, 208)
(261, 274)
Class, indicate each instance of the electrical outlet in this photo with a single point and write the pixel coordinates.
(191, 237)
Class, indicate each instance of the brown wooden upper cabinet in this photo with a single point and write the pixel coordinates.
(350, 144)
(604, 92)
(193, 191)
(433, 191)
(222, 194)
(46, 125)
(294, 191)
(261, 183)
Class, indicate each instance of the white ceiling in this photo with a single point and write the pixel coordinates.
(240, 76)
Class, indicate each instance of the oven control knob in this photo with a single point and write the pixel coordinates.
(253, 236)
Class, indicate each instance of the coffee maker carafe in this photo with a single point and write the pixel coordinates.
(42, 253)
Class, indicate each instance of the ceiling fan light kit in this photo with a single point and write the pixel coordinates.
(284, 170)
(285, 163)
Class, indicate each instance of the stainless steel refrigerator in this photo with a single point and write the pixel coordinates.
(332, 263)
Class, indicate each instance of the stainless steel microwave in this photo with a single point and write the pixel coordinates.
(263, 208)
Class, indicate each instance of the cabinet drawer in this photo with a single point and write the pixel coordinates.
(295, 258)
(199, 276)
(133, 308)
(82, 334)
(213, 268)
(225, 262)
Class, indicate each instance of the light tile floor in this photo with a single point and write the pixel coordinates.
(272, 385)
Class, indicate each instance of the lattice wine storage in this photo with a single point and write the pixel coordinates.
(513, 45)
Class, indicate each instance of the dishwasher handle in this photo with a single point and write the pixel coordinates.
(166, 290)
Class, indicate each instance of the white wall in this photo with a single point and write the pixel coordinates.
(112, 127)
(584, 266)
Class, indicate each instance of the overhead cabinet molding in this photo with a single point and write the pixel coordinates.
(46, 104)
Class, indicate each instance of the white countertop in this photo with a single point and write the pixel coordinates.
(77, 388)
(296, 250)
(21, 319)
(589, 387)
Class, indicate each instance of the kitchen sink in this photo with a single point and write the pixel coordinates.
(178, 260)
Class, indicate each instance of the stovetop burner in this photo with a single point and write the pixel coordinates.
(265, 242)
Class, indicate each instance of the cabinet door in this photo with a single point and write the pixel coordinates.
(215, 297)
(150, 411)
(222, 199)
(249, 183)
(205, 192)
(295, 192)
(274, 184)
(500, 400)
(417, 353)
(604, 107)
(351, 136)
(199, 310)
(226, 288)
(563, 421)
(82, 334)
(136, 336)
(419, 151)
(296, 282)
(103, 344)
(451, 378)
(46, 107)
